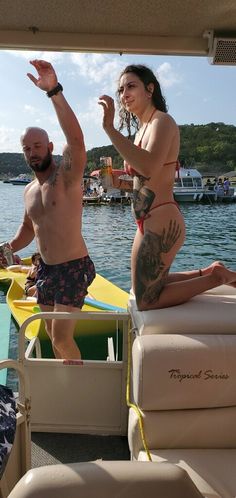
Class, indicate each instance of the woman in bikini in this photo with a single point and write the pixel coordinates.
(152, 160)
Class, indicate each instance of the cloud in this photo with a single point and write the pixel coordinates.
(30, 109)
(102, 69)
(31, 55)
(167, 76)
(8, 141)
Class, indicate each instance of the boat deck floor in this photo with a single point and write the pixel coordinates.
(53, 448)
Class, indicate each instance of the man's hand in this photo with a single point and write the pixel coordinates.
(3, 261)
(47, 78)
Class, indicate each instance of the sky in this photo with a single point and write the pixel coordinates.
(195, 91)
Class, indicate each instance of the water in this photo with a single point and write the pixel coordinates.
(109, 231)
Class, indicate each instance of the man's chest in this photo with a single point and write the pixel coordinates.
(44, 200)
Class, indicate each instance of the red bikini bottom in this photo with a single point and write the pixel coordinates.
(140, 221)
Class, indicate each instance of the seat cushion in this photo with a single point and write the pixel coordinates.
(106, 479)
(213, 471)
(173, 371)
(200, 429)
(212, 312)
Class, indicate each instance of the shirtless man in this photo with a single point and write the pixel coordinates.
(53, 215)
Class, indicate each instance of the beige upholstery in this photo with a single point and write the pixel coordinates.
(169, 371)
(212, 471)
(184, 383)
(212, 312)
(106, 480)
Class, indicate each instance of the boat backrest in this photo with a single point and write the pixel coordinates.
(106, 479)
(184, 374)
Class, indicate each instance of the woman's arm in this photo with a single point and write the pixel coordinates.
(163, 131)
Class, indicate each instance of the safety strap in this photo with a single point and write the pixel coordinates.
(132, 405)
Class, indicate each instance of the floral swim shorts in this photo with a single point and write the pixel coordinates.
(65, 283)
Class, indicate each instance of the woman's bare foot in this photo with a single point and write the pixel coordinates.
(208, 269)
(219, 270)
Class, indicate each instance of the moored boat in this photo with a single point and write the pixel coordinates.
(189, 187)
(21, 179)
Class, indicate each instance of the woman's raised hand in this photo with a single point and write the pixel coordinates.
(108, 111)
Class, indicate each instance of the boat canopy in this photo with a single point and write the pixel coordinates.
(189, 172)
(194, 27)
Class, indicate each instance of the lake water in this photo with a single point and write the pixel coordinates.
(109, 231)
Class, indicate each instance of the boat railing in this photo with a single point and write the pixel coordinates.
(105, 374)
(59, 315)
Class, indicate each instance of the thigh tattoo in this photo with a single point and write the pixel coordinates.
(151, 272)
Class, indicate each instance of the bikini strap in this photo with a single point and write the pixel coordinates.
(140, 141)
(177, 167)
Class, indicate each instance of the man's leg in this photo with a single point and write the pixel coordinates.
(62, 335)
(48, 327)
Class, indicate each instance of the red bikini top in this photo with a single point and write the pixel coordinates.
(130, 171)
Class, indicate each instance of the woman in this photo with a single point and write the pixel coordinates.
(152, 160)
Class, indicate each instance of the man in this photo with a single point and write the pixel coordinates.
(53, 215)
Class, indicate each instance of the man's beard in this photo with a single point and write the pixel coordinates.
(43, 166)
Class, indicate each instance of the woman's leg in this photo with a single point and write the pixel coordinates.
(179, 292)
(156, 288)
(186, 275)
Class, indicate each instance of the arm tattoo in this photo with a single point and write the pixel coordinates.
(67, 163)
(151, 272)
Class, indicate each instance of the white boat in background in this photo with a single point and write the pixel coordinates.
(189, 187)
(21, 179)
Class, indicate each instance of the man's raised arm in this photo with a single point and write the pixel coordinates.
(47, 81)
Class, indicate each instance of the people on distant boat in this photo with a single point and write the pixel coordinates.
(219, 187)
(94, 192)
(152, 160)
(209, 185)
(53, 215)
(31, 278)
(226, 185)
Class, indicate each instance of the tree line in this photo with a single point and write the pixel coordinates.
(209, 148)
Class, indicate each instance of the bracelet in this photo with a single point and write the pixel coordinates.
(200, 272)
(55, 90)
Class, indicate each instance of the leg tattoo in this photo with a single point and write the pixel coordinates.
(151, 272)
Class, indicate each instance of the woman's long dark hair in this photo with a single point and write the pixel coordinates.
(127, 119)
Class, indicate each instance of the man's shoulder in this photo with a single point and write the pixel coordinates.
(30, 185)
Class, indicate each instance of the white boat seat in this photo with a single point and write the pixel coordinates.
(106, 479)
(212, 312)
(185, 389)
(212, 471)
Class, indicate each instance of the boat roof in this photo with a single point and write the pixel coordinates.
(192, 172)
(173, 27)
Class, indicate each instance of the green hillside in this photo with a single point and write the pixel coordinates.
(209, 148)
